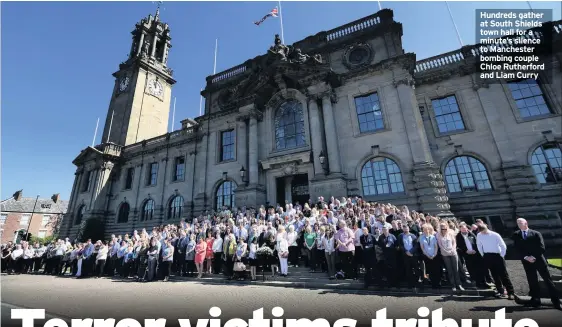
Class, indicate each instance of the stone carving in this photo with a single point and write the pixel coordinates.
(357, 55)
(279, 49)
(290, 169)
(145, 49)
(408, 81)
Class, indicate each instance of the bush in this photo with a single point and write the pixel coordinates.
(42, 240)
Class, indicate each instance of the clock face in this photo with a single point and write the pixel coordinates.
(155, 88)
(124, 83)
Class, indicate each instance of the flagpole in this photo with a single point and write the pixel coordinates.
(453, 20)
(216, 49)
(110, 124)
(173, 115)
(529, 3)
(201, 104)
(95, 133)
(380, 8)
(281, 22)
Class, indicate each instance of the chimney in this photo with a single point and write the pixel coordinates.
(18, 195)
(55, 197)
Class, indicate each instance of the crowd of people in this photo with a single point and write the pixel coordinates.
(385, 245)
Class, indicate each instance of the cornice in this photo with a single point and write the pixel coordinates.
(406, 61)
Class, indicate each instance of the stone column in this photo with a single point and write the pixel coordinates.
(242, 143)
(141, 43)
(429, 184)
(315, 133)
(154, 41)
(164, 53)
(253, 151)
(331, 134)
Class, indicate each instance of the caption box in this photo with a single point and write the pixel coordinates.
(513, 44)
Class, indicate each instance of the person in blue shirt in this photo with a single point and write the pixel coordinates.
(409, 246)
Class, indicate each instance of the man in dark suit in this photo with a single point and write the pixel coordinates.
(530, 245)
(466, 247)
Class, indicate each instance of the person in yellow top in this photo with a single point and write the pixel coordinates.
(229, 250)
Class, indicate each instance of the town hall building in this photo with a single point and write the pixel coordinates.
(345, 112)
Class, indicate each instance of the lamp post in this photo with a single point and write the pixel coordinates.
(224, 176)
(322, 159)
(243, 174)
(31, 218)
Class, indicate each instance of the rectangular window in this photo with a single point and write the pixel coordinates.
(46, 219)
(179, 173)
(42, 234)
(152, 175)
(227, 145)
(369, 113)
(86, 181)
(529, 98)
(3, 219)
(447, 114)
(24, 221)
(129, 178)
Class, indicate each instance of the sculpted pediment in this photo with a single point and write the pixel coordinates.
(281, 68)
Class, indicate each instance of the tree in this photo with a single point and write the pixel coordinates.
(55, 223)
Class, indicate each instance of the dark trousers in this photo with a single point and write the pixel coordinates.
(100, 265)
(37, 263)
(16, 265)
(166, 268)
(357, 261)
(229, 266)
(320, 260)
(369, 261)
(411, 269)
(180, 265)
(27, 265)
(151, 274)
(57, 265)
(475, 267)
(541, 267)
(126, 270)
(189, 267)
(434, 270)
(346, 260)
(496, 264)
(217, 263)
(293, 255)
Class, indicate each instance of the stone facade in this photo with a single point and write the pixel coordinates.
(342, 112)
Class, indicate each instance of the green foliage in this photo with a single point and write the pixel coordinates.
(42, 240)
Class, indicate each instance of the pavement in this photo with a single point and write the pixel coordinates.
(123, 298)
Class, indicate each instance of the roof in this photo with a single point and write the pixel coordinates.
(25, 205)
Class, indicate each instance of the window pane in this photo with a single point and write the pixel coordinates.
(447, 114)
(369, 113)
(289, 126)
(529, 98)
(466, 174)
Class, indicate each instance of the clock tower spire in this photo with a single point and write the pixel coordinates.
(140, 102)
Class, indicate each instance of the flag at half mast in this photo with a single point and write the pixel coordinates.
(274, 12)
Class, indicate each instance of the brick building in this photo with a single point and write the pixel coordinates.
(344, 112)
(18, 213)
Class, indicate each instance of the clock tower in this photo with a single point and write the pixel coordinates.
(140, 103)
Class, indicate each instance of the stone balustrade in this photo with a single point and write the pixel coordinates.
(228, 73)
(162, 139)
(355, 26)
(441, 60)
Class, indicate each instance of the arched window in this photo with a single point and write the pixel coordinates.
(289, 126)
(547, 163)
(175, 207)
(148, 210)
(381, 176)
(123, 215)
(80, 215)
(466, 174)
(225, 195)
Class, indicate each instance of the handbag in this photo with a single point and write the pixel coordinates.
(239, 266)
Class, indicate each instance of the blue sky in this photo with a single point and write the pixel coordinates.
(58, 57)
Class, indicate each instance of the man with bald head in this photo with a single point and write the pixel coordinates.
(530, 245)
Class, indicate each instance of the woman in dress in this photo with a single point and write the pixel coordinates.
(200, 252)
(190, 255)
(209, 255)
(252, 259)
(152, 253)
(142, 257)
(283, 250)
(273, 260)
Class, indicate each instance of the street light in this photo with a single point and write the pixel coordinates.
(224, 176)
(242, 173)
(31, 218)
(322, 157)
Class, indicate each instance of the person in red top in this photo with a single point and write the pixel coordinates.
(200, 253)
(209, 254)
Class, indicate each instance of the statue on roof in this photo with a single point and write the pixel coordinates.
(279, 49)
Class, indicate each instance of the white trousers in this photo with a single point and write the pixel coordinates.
(284, 265)
(79, 272)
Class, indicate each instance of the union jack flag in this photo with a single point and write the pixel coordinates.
(273, 13)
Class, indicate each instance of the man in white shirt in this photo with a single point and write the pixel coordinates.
(492, 248)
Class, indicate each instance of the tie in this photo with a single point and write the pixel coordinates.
(525, 235)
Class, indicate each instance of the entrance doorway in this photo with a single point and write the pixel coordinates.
(291, 189)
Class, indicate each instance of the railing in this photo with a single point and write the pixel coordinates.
(350, 28)
(439, 61)
(228, 73)
(161, 139)
(110, 148)
(457, 56)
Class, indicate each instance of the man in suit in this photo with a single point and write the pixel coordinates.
(530, 245)
(466, 247)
